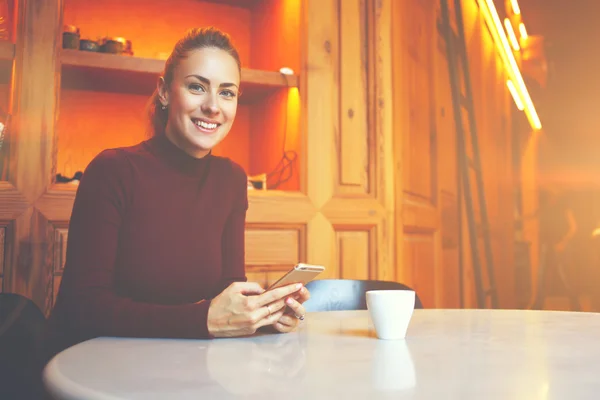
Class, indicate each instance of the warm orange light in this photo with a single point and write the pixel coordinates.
(492, 19)
(523, 31)
(515, 7)
(511, 34)
(286, 71)
(513, 91)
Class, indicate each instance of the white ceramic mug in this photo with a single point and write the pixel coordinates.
(391, 311)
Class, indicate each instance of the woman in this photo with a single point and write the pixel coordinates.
(156, 237)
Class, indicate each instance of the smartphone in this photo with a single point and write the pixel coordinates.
(301, 273)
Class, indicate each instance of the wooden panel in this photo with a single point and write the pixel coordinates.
(322, 56)
(419, 215)
(272, 246)
(37, 65)
(2, 249)
(279, 207)
(12, 202)
(60, 249)
(382, 147)
(419, 256)
(354, 128)
(57, 203)
(358, 211)
(419, 142)
(355, 258)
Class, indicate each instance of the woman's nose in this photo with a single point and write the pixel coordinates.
(210, 105)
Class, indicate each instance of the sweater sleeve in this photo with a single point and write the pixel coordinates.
(90, 305)
(233, 239)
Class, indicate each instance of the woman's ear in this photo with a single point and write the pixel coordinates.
(163, 92)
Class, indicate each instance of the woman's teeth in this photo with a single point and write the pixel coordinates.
(205, 125)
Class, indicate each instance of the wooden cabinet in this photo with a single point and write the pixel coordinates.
(333, 114)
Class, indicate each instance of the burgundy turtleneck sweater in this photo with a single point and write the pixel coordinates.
(154, 235)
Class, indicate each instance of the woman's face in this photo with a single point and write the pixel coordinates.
(201, 100)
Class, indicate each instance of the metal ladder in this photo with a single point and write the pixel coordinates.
(457, 60)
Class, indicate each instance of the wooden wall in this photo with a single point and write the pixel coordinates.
(428, 228)
(375, 197)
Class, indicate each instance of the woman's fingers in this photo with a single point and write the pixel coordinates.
(276, 294)
(288, 320)
(296, 307)
(302, 296)
(269, 319)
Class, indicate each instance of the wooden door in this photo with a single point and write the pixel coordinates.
(427, 204)
(416, 149)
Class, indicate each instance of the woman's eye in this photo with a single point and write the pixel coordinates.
(228, 93)
(196, 87)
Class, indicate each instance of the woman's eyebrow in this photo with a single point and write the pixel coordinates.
(207, 81)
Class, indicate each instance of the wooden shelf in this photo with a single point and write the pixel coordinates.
(235, 3)
(134, 75)
(7, 55)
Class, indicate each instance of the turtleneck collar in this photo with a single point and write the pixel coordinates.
(176, 157)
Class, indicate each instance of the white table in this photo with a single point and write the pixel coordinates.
(448, 354)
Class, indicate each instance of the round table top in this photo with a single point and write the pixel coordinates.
(448, 354)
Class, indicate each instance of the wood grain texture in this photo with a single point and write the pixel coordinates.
(57, 203)
(322, 87)
(37, 64)
(12, 202)
(360, 211)
(278, 246)
(356, 253)
(29, 271)
(420, 257)
(382, 149)
(354, 135)
(37, 47)
(279, 207)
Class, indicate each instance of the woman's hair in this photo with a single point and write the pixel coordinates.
(194, 39)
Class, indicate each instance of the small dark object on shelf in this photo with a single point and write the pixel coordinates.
(70, 37)
(128, 48)
(63, 179)
(89, 45)
(113, 45)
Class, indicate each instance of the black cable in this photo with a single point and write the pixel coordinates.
(285, 166)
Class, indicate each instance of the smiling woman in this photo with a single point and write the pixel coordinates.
(196, 100)
(156, 236)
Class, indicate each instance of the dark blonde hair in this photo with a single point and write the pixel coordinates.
(194, 39)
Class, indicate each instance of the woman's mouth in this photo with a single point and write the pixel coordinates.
(206, 126)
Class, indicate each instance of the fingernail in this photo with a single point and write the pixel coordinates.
(288, 300)
(299, 286)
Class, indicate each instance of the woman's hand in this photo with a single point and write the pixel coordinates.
(244, 307)
(291, 318)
